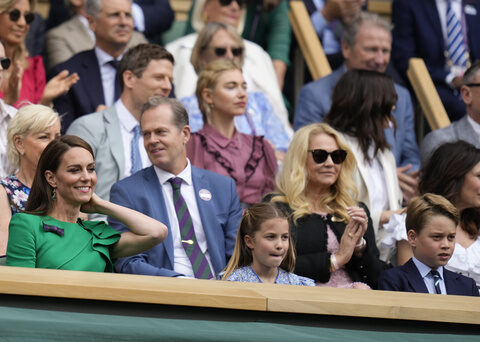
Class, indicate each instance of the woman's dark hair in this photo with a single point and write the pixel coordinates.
(40, 200)
(362, 105)
(444, 175)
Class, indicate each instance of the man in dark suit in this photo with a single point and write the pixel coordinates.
(468, 127)
(366, 45)
(98, 88)
(170, 184)
(431, 224)
(420, 30)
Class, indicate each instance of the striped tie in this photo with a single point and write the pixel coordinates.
(436, 281)
(135, 151)
(200, 266)
(457, 54)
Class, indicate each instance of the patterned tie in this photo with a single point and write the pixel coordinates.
(436, 281)
(114, 64)
(135, 152)
(457, 54)
(200, 266)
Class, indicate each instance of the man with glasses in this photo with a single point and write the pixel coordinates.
(6, 114)
(468, 127)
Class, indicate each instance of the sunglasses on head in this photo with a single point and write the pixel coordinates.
(320, 156)
(225, 3)
(221, 51)
(5, 62)
(15, 14)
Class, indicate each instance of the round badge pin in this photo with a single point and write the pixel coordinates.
(205, 194)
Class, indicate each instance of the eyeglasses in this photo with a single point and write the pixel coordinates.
(5, 62)
(221, 51)
(15, 13)
(473, 85)
(320, 156)
(225, 3)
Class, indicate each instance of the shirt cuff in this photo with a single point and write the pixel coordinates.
(138, 17)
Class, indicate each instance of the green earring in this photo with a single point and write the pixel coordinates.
(54, 194)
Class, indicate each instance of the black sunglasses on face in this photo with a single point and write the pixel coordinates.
(15, 13)
(473, 85)
(221, 51)
(225, 3)
(320, 156)
(5, 62)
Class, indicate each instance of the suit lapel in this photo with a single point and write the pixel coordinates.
(92, 80)
(414, 278)
(471, 9)
(430, 12)
(464, 131)
(391, 182)
(114, 137)
(153, 190)
(450, 279)
(80, 40)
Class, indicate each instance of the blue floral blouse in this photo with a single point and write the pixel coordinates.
(247, 274)
(17, 193)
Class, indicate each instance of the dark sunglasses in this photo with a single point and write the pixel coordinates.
(15, 13)
(320, 156)
(221, 51)
(5, 63)
(225, 3)
(473, 85)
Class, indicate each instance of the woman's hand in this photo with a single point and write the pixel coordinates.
(57, 86)
(14, 84)
(93, 206)
(353, 234)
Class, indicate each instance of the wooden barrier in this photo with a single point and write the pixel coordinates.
(381, 7)
(308, 40)
(238, 296)
(426, 94)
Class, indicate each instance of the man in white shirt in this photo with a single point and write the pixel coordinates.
(6, 114)
(468, 127)
(145, 71)
(200, 208)
(112, 23)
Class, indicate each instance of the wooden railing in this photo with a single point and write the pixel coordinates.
(426, 94)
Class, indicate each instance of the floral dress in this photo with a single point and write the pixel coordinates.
(17, 193)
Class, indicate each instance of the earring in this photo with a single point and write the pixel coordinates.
(54, 194)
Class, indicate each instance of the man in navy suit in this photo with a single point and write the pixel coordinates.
(98, 87)
(211, 199)
(420, 30)
(366, 44)
(431, 224)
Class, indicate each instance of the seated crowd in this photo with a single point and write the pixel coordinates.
(199, 172)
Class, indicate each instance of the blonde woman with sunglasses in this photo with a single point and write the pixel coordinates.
(26, 81)
(333, 233)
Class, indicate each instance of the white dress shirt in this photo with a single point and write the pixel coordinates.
(428, 278)
(182, 263)
(108, 74)
(6, 114)
(127, 124)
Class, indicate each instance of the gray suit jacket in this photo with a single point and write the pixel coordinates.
(72, 37)
(102, 131)
(458, 130)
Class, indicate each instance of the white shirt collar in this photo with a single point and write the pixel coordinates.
(7, 110)
(475, 125)
(127, 120)
(424, 269)
(103, 57)
(84, 21)
(185, 175)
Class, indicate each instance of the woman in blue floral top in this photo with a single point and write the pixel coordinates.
(263, 251)
(29, 132)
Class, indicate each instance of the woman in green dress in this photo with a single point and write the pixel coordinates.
(50, 233)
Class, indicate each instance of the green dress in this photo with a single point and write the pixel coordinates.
(44, 242)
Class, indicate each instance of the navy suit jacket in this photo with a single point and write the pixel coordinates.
(84, 97)
(418, 33)
(407, 278)
(314, 102)
(220, 217)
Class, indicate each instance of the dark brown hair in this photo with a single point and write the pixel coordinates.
(422, 208)
(444, 175)
(40, 200)
(362, 104)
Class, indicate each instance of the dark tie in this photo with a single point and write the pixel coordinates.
(114, 64)
(436, 281)
(199, 262)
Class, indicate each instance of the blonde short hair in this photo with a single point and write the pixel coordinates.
(31, 118)
(293, 179)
